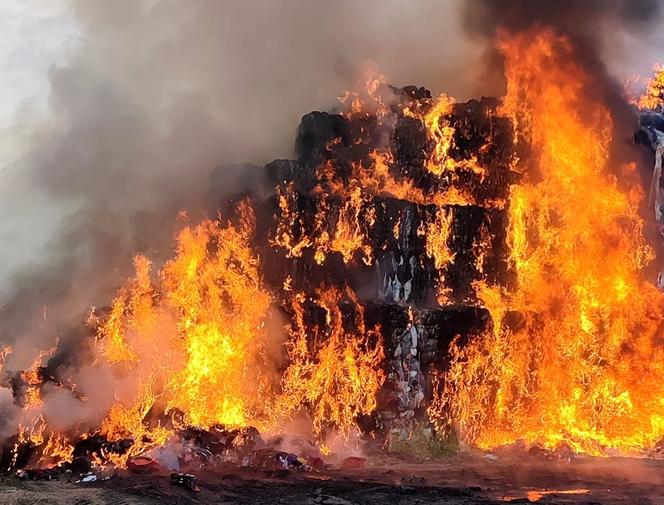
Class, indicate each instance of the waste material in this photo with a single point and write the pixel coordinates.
(185, 480)
(142, 464)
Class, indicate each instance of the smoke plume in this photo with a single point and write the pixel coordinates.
(574, 17)
(156, 95)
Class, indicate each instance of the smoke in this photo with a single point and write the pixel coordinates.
(574, 17)
(153, 97)
(600, 29)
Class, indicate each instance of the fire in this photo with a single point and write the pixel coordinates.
(4, 352)
(348, 236)
(58, 449)
(335, 368)
(31, 377)
(440, 130)
(437, 234)
(222, 307)
(355, 185)
(574, 356)
(187, 347)
(192, 340)
(131, 423)
(653, 98)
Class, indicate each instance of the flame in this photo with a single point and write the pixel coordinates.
(437, 234)
(289, 234)
(335, 371)
(130, 422)
(348, 235)
(574, 356)
(222, 308)
(4, 352)
(440, 130)
(57, 450)
(192, 340)
(31, 376)
(370, 99)
(347, 188)
(190, 343)
(653, 98)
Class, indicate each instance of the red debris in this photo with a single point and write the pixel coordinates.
(353, 463)
(142, 464)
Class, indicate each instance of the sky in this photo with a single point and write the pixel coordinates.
(35, 34)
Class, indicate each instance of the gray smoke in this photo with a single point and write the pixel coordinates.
(158, 93)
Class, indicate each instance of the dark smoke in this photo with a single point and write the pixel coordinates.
(574, 17)
(598, 28)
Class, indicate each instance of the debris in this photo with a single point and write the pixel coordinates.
(142, 464)
(353, 463)
(332, 500)
(38, 474)
(316, 463)
(90, 477)
(185, 480)
(80, 465)
(292, 462)
(165, 457)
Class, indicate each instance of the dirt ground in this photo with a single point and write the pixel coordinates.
(464, 479)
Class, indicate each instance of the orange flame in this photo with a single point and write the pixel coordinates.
(437, 235)
(442, 133)
(653, 98)
(193, 343)
(576, 355)
(193, 340)
(335, 372)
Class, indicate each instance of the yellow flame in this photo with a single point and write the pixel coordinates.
(653, 98)
(580, 361)
(335, 372)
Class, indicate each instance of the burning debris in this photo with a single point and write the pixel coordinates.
(375, 237)
(474, 268)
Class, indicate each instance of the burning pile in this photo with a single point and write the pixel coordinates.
(491, 242)
(574, 355)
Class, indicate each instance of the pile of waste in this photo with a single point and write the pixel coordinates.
(189, 451)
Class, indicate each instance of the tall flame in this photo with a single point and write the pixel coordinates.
(335, 369)
(193, 341)
(575, 355)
